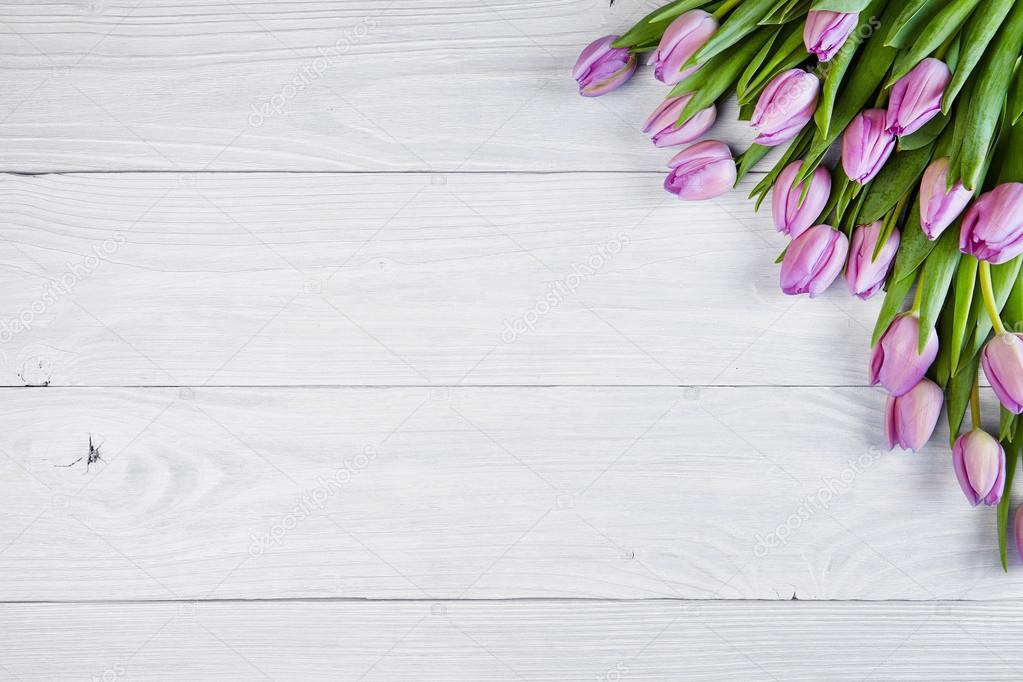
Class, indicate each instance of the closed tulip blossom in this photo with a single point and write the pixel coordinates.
(865, 274)
(791, 217)
(979, 462)
(866, 145)
(784, 107)
(663, 123)
(681, 40)
(993, 226)
(702, 171)
(602, 68)
(825, 32)
(909, 419)
(916, 97)
(895, 362)
(813, 260)
(1002, 360)
(939, 205)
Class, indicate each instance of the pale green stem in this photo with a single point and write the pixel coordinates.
(975, 402)
(725, 8)
(988, 291)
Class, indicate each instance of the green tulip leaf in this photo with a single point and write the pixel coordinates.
(749, 158)
(937, 274)
(1016, 97)
(962, 294)
(914, 247)
(795, 149)
(978, 31)
(936, 31)
(957, 397)
(841, 5)
(893, 304)
(787, 55)
(753, 68)
(926, 135)
(1012, 453)
(909, 23)
(785, 12)
(898, 177)
(672, 10)
(987, 97)
(743, 21)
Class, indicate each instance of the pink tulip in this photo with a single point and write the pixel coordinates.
(993, 226)
(909, 419)
(939, 205)
(895, 362)
(702, 171)
(1017, 531)
(602, 68)
(865, 275)
(1002, 360)
(916, 97)
(791, 217)
(681, 40)
(784, 107)
(866, 145)
(813, 260)
(825, 32)
(979, 462)
(663, 123)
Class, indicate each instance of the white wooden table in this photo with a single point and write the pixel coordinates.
(401, 365)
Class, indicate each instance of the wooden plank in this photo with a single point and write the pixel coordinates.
(410, 279)
(320, 85)
(766, 493)
(481, 641)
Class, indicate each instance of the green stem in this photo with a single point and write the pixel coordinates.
(989, 297)
(725, 8)
(918, 297)
(975, 402)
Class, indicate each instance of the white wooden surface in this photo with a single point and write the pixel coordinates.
(323, 454)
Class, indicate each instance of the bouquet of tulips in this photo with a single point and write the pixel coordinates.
(924, 101)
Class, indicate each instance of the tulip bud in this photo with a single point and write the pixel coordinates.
(702, 171)
(939, 205)
(602, 68)
(681, 40)
(916, 97)
(866, 145)
(790, 217)
(784, 107)
(663, 123)
(825, 32)
(1017, 532)
(894, 361)
(1002, 360)
(909, 419)
(865, 274)
(813, 260)
(979, 462)
(993, 226)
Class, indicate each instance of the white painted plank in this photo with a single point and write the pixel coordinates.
(296, 279)
(764, 493)
(360, 85)
(482, 641)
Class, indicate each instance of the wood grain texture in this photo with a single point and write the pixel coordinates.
(404, 279)
(614, 492)
(484, 641)
(316, 85)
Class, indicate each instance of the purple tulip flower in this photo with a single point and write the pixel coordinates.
(916, 97)
(993, 226)
(866, 145)
(894, 361)
(939, 205)
(1003, 366)
(663, 123)
(681, 40)
(602, 68)
(979, 462)
(825, 32)
(865, 275)
(790, 217)
(702, 171)
(784, 107)
(813, 260)
(909, 419)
